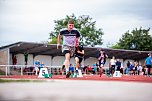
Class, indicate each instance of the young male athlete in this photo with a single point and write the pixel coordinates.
(70, 36)
(79, 53)
(101, 58)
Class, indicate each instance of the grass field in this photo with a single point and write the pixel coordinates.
(2, 73)
(19, 80)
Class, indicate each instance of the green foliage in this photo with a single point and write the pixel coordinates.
(138, 39)
(90, 35)
(54, 40)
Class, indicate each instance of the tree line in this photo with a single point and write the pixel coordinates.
(137, 39)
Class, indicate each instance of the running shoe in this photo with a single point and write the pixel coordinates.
(68, 75)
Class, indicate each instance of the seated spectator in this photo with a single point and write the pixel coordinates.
(85, 69)
(42, 65)
(37, 65)
(90, 68)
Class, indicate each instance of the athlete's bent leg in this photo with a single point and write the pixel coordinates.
(67, 64)
(77, 63)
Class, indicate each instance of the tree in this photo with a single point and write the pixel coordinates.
(90, 35)
(138, 39)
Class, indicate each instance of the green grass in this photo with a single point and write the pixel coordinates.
(2, 73)
(21, 80)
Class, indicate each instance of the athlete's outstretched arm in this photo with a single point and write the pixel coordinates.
(58, 41)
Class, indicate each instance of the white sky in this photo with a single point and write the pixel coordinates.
(32, 20)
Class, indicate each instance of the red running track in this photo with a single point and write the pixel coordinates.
(127, 78)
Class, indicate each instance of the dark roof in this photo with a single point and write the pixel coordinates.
(51, 49)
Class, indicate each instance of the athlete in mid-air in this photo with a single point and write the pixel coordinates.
(70, 36)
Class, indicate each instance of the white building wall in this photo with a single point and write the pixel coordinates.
(11, 61)
(30, 59)
(21, 60)
(90, 61)
(141, 62)
(46, 59)
(58, 60)
(107, 63)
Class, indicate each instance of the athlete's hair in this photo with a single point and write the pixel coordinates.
(71, 21)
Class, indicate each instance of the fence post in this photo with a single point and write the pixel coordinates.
(6, 71)
(21, 71)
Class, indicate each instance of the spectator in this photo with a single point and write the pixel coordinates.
(131, 68)
(37, 65)
(85, 69)
(118, 64)
(148, 63)
(136, 64)
(14, 59)
(95, 67)
(26, 57)
(112, 65)
(71, 69)
(121, 69)
(128, 67)
(139, 69)
(42, 65)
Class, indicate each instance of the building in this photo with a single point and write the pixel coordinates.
(51, 56)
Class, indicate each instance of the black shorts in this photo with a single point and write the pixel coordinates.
(148, 66)
(79, 57)
(113, 67)
(135, 69)
(101, 63)
(66, 51)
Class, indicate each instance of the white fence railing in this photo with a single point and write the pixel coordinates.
(29, 70)
(19, 69)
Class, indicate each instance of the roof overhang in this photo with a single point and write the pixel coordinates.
(51, 49)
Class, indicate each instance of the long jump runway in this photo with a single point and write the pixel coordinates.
(87, 88)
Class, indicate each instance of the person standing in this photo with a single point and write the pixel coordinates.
(113, 65)
(101, 61)
(118, 64)
(70, 36)
(14, 59)
(26, 57)
(148, 63)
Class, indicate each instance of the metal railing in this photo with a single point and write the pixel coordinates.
(23, 69)
(29, 70)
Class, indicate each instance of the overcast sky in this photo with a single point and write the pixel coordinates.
(32, 20)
